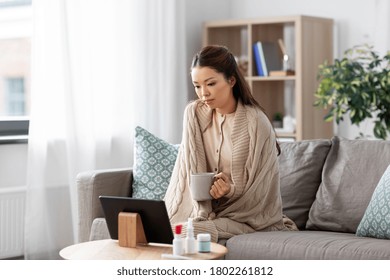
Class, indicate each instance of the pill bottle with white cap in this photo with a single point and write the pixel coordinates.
(204, 242)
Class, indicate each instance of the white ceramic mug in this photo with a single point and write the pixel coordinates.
(200, 185)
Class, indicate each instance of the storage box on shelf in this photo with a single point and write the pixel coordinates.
(309, 42)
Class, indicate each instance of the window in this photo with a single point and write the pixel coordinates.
(15, 49)
(12, 3)
(15, 97)
(14, 77)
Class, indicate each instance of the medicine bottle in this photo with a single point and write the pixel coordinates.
(190, 242)
(178, 246)
(204, 242)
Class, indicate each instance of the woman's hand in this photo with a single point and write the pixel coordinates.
(221, 186)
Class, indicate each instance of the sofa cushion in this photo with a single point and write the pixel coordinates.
(376, 219)
(350, 174)
(306, 245)
(153, 164)
(300, 165)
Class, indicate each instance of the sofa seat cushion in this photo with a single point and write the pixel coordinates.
(310, 245)
(300, 167)
(350, 175)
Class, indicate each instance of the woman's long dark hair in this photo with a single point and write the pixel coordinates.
(223, 61)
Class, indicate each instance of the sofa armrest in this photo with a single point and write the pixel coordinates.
(92, 184)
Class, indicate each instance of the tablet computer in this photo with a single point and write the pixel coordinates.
(153, 214)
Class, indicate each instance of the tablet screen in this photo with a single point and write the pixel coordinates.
(153, 214)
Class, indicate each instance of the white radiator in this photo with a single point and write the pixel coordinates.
(12, 221)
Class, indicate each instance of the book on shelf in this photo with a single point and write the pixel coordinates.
(257, 50)
(262, 59)
(282, 73)
(267, 58)
(272, 57)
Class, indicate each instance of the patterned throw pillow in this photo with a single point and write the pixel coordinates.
(153, 165)
(376, 219)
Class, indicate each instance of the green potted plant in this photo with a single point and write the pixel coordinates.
(358, 84)
(277, 120)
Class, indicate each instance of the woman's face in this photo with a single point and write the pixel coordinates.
(213, 89)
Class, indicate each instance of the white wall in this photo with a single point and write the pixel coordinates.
(196, 13)
(356, 22)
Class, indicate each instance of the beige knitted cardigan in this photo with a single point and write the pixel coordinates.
(254, 165)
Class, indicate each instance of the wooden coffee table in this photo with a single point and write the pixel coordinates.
(109, 249)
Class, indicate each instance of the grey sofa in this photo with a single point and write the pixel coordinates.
(326, 186)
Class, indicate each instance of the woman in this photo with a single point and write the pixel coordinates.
(225, 131)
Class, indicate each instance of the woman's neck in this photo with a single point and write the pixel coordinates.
(230, 108)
